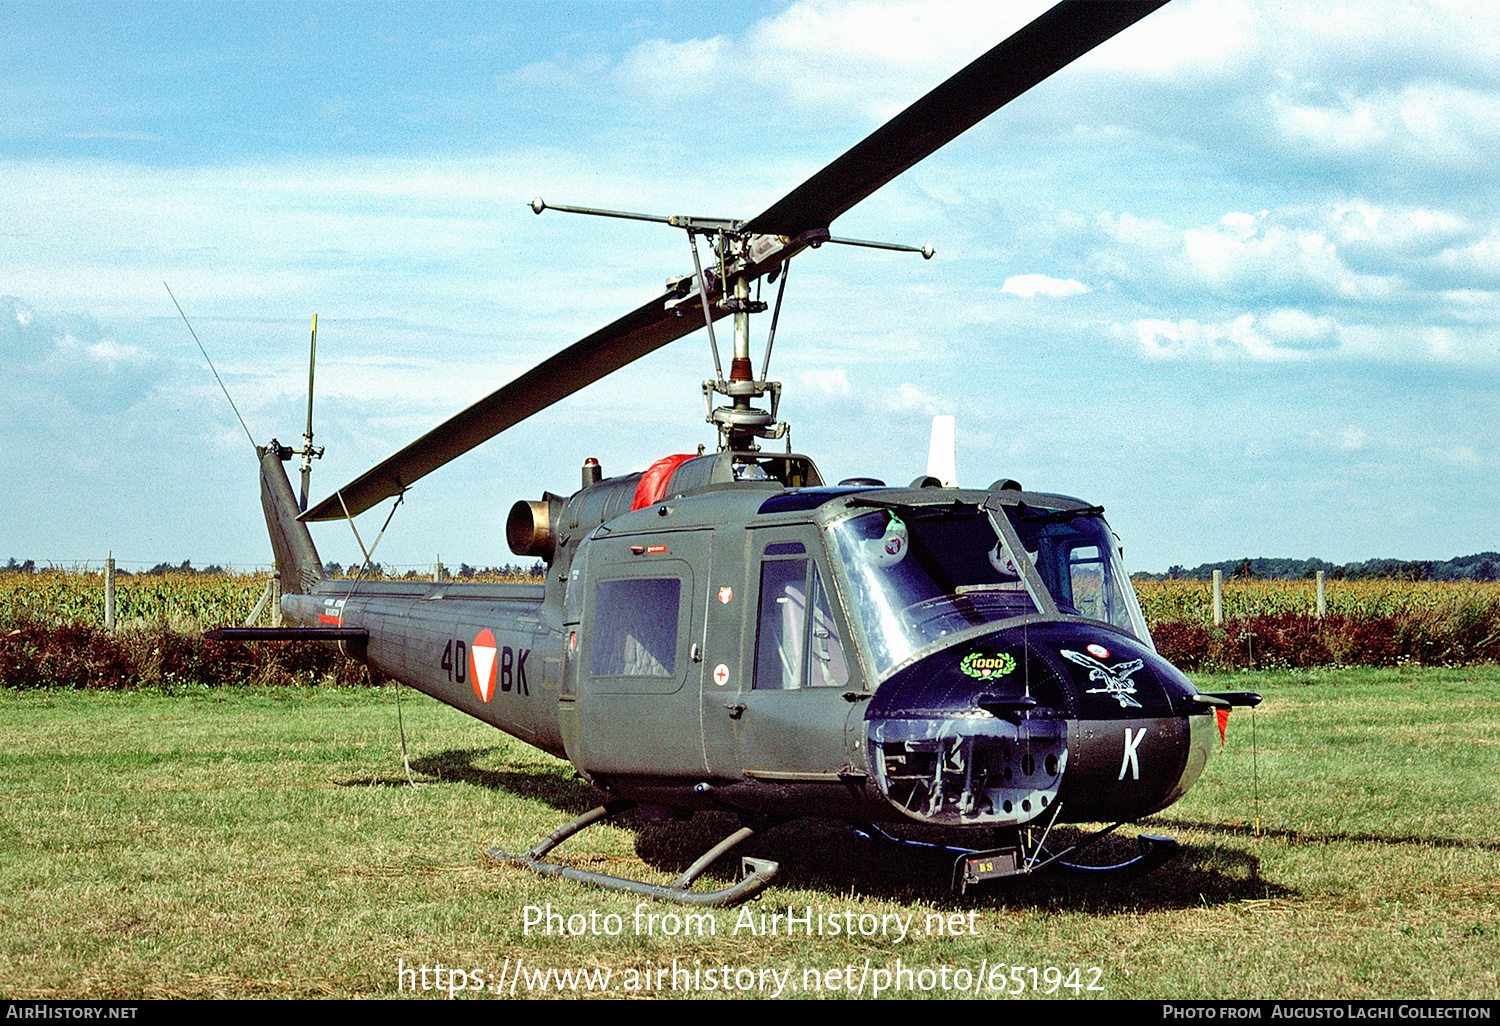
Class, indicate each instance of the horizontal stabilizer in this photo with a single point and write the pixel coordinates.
(286, 634)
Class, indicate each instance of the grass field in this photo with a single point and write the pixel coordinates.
(266, 843)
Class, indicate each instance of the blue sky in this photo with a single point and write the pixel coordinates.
(1235, 275)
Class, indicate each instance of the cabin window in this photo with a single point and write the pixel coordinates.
(798, 644)
(635, 627)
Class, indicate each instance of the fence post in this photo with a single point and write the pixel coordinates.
(1322, 597)
(109, 594)
(265, 600)
(1218, 598)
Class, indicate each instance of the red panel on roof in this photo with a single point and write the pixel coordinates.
(653, 483)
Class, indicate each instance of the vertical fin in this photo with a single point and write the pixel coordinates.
(296, 559)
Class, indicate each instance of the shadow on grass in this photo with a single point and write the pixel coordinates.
(1339, 837)
(557, 785)
(830, 857)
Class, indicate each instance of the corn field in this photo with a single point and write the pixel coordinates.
(1192, 601)
(1368, 622)
(193, 602)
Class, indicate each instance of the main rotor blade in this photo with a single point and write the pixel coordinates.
(1051, 42)
(1058, 37)
(584, 362)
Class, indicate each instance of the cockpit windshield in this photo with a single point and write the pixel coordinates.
(919, 573)
(1078, 561)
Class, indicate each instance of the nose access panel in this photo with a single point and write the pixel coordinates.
(1132, 744)
(969, 770)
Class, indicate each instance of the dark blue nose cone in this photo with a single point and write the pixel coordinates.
(997, 730)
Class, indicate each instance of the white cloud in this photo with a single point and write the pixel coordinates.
(909, 397)
(829, 381)
(70, 360)
(1240, 338)
(666, 70)
(1297, 329)
(1285, 253)
(1201, 40)
(1029, 285)
(1453, 456)
(1243, 245)
(569, 74)
(1423, 122)
(107, 351)
(1392, 232)
(836, 57)
(1352, 439)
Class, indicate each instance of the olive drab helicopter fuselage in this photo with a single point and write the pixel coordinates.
(726, 631)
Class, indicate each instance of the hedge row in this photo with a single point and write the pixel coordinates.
(42, 654)
(1298, 640)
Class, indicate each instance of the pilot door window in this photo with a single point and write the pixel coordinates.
(798, 644)
(635, 627)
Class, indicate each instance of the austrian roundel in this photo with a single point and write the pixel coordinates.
(482, 664)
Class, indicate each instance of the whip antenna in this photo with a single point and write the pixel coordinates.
(211, 367)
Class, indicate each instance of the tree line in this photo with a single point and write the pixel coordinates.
(1482, 566)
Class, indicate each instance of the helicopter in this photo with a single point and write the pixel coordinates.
(727, 631)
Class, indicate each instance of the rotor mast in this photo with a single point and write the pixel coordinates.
(740, 424)
(309, 452)
(742, 257)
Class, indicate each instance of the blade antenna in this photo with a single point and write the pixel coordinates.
(708, 319)
(211, 367)
(308, 451)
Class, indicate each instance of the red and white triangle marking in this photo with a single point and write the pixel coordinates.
(482, 665)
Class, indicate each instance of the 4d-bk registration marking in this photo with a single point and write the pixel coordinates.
(508, 669)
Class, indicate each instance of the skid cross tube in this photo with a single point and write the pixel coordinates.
(1033, 857)
(758, 873)
(1027, 857)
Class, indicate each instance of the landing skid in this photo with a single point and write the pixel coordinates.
(757, 873)
(1026, 855)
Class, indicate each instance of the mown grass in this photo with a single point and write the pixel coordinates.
(265, 842)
